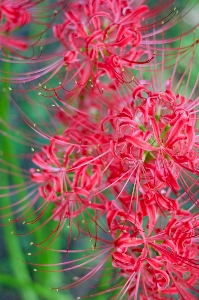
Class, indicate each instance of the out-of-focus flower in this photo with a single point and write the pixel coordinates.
(18, 16)
(102, 40)
(108, 38)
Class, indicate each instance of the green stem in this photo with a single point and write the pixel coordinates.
(18, 283)
(12, 242)
(19, 269)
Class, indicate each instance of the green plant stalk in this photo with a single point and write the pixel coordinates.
(12, 242)
(19, 269)
(38, 288)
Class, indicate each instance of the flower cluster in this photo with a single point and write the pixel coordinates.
(137, 152)
(122, 165)
(96, 41)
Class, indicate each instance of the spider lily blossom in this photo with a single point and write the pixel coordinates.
(114, 159)
(15, 16)
(101, 40)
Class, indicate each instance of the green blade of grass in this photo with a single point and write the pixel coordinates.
(38, 288)
(19, 269)
(12, 242)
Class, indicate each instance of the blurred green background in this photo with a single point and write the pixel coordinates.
(19, 281)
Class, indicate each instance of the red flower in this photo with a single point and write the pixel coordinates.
(14, 15)
(117, 163)
(103, 40)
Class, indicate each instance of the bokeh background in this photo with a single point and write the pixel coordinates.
(18, 280)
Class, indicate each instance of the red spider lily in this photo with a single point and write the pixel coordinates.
(150, 270)
(144, 135)
(75, 170)
(99, 33)
(150, 143)
(14, 15)
(104, 40)
(106, 37)
(118, 165)
(64, 181)
(148, 263)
